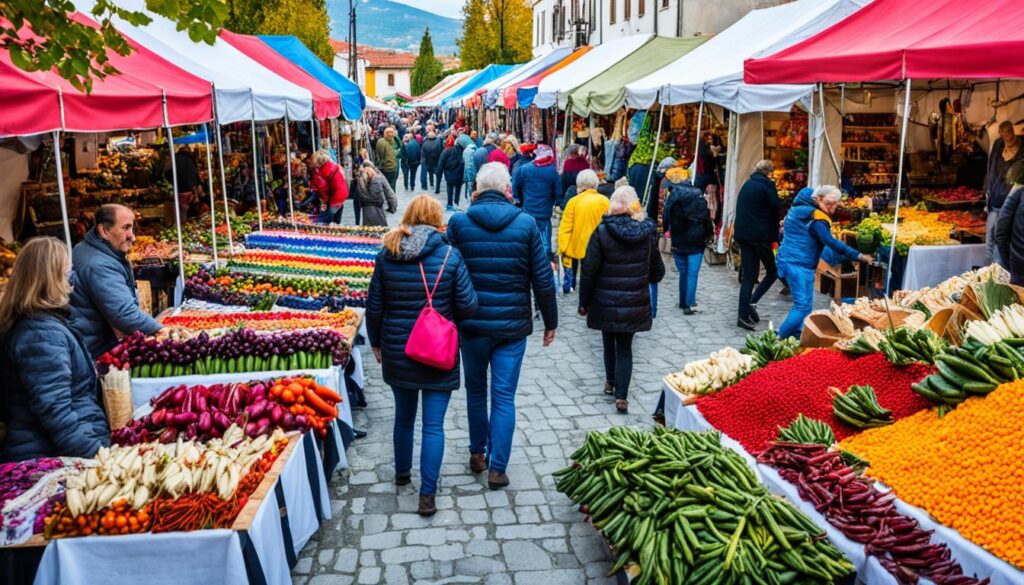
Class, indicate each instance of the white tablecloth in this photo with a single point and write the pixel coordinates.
(930, 265)
(972, 558)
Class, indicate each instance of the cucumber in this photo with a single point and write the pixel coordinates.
(949, 375)
(979, 388)
(967, 368)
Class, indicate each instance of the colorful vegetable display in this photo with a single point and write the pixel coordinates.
(308, 227)
(964, 469)
(751, 410)
(287, 263)
(360, 247)
(28, 490)
(768, 347)
(243, 350)
(865, 515)
(709, 375)
(963, 374)
(262, 320)
(687, 510)
(306, 293)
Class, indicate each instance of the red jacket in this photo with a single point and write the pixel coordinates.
(329, 183)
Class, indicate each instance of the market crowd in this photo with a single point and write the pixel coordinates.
(452, 303)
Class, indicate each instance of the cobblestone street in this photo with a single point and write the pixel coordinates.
(528, 533)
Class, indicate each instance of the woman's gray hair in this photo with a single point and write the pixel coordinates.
(573, 150)
(493, 177)
(624, 201)
(827, 194)
(764, 166)
(321, 157)
(587, 179)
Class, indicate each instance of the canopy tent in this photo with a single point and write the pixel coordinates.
(326, 102)
(373, 105)
(489, 73)
(555, 88)
(714, 71)
(243, 89)
(905, 39)
(353, 100)
(490, 93)
(433, 96)
(606, 93)
(43, 101)
(522, 93)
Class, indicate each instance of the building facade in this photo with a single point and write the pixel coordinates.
(382, 72)
(572, 23)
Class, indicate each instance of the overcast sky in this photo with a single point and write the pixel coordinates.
(449, 8)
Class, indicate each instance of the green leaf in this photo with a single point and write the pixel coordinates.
(993, 296)
(19, 58)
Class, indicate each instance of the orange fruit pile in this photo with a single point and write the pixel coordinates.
(965, 469)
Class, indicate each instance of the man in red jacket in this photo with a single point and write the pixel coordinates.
(329, 182)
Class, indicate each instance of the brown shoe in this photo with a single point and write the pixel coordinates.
(609, 388)
(427, 507)
(496, 480)
(622, 406)
(477, 462)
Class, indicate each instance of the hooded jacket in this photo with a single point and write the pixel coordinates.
(503, 249)
(686, 217)
(397, 296)
(806, 233)
(582, 215)
(387, 160)
(431, 152)
(622, 259)
(104, 297)
(468, 151)
(329, 182)
(537, 189)
(451, 165)
(411, 152)
(481, 155)
(757, 211)
(50, 393)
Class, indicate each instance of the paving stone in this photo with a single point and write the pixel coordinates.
(496, 499)
(368, 559)
(483, 548)
(422, 570)
(395, 575)
(404, 554)
(325, 557)
(498, 579)
(529, 531)
(471, 502)
(521, 555)
(346, 560)
(470, 517)
(447, 552)
(303, 566)
(331, 580)
(530, 498)
(363, 477)
(384, 540)
(369, 576)
(557, 577)
(427, 536)
(479, 566)
(503, 516)
(555, 545)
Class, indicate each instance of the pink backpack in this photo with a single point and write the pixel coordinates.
(434, 340)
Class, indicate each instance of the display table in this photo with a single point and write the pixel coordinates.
(972, 558)
(261, 548)
(928, 266)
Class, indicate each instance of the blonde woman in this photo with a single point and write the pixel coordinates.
(49, 399)
(417, 254)
(622, 259)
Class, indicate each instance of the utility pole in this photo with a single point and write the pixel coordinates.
(353, 55)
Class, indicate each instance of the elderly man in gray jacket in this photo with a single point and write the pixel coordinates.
(104, 302)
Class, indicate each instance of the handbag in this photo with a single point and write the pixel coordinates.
(434, 340)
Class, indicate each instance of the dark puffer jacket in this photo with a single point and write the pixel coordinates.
(503, 249)
(50, 395)
(622, 259)
(451, 165)
(687, 218)
(537, 189)
(104, 298)
(397, 296)
(757, 211)
(431, 152)
(1010, 234)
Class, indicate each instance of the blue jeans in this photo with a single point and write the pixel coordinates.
(801, 286)
(423, 177)
(689, 267)
(654, 299)
(453, 192)
(435, 404)
(491, 432)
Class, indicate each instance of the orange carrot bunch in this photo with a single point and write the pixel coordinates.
(117, 519)
(304, 398)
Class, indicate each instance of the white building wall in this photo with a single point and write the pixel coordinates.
(341, 66)
(403, 82)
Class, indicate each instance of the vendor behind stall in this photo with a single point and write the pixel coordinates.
(105, 302)
(49, 399)
(1006, 152)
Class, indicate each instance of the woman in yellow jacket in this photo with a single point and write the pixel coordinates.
(581, 217)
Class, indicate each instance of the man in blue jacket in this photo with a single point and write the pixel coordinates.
(503, 250)
(104, 302)
(536, 187)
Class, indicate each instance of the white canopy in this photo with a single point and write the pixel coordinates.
(526, 71)
(243, 88)
(713, 72)
(555, 88)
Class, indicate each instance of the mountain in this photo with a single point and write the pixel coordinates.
(382, 23)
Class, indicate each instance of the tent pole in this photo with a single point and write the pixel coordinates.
(697, 139)
(224, 191)
(312, 135)
(654, 156)
(590, 134)
(177, 202)
(60, 189)
(899, 188)
(256, 173)
(213, 203)
(288, 167)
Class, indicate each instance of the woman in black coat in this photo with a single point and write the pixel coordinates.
(415, 252)
(453, 168)
(622, 260)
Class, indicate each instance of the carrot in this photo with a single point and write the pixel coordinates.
(319, 405)
(327, 394)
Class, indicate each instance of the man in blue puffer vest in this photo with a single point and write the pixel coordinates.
(104, 301)
(806, 232)
(503, 250)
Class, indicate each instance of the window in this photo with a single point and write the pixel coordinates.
(391, 80)
(543, 22)
(611, 12)
(664, 3)
(626, 9)
(590, 17)
(640, 8)
(561, 21)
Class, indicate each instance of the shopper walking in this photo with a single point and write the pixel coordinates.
(1006, 152)
(375, 195)
(503, 249)
(469, 149)
(536, 188)
(482, 155)
(416, 258)
(328, 181)
(688, 222)
(755, 230)
(807, 231)
(431, 155)
(581, 217)
(622, 260)
(454, 169)
(575, 161)
(386, 156)
(411, 156)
